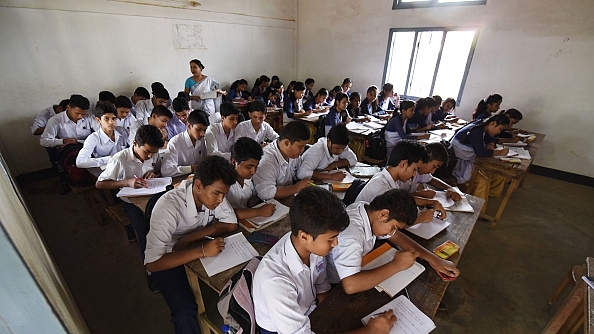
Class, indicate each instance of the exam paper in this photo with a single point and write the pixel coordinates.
(154, 185)
(410, 319)
(237, 251)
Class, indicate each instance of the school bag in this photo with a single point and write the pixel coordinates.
(150, 205)
(67, 161)
(235, 304)
(375, 145)
(351, 194)
(321, 130)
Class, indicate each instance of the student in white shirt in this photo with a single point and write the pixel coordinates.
(327, 154)
(125, 118)
(180, 108)
(130, 168)
(183, 222)
(277, 176)
(140, 93)
(102, 144)
(291, 277)
(256, 127)
(144, 108)
(382, 218)
(41, 119)
(71, 126)
(402, 166)
(159, 118)
(187, 149)
(221, 136)
(245, 156)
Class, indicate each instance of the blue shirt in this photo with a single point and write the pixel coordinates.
(396, 125)
(233, 95)
(366, 107)
(474, 135)
(290, 106)
(333, 117)
(385, 105)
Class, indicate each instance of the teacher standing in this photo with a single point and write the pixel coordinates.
(199, 84)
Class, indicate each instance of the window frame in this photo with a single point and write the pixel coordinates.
(398, 4)
(421, 29)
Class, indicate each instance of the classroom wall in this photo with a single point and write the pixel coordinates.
(536, 53)
(52, 49)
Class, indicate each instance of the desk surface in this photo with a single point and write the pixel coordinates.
(426, 291)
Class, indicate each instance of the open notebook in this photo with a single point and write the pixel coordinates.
(410, 319)
(154, 185)
(237, 250)
(429, 230)
(257, 223)
(450, 205)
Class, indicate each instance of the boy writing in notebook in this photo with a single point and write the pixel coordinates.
(327, 154)
(403, 164)
(277, 175)
(187, 149)
(245, 157)
(256, 128)
(291, 278)
(381, 219)
(186, 224)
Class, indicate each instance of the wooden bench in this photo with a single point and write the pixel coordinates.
(122, 223)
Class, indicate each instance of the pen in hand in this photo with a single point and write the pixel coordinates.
(209, 237)
(141, 181)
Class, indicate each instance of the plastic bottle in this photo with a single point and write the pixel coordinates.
(227, 329)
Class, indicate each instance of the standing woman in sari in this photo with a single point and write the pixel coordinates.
(198, 84)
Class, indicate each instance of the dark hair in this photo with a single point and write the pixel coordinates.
(277, 85)
(214, 168)
(142, 92)
(149, 134)
(236, 83)
(123, 102)
(292, 84)
(299, 86)
(272, 91)
(275, 78)
(336, 89)
(184, 95)
(437, 152)
(64, 103)
(197, 62)
(322, 92)
(339, 96)
(513, 113)
(499, 119)
(409, 152)
(317, 211)
(246, 148)
(430, 102)
(309, 81)
(399, 202)
(347, 81)
(228, 108)
(437, 99)
(339, 134)
(156, 85)
(162, 111)
(372, 87)
(405, 104)
(78, 101)
(388, 87)
(103, 108)
(450, 100)
(106, 95)
(257, 105)
(161, 93)
(355, 95)
(295, 131)
(198, 116)
(421, 104)
(261, 79)
(481, 107)
(180, 104)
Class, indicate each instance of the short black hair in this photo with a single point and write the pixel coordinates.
(123, 102)
(257, 105)
(198, 116)
(78, 101)
(106, 95)
(103, 108)
(214, 168)
(156, 85)
(246, 148)
(340, 96)
(228, 108)
(197, 62)
(180, 104)
(64, 103)
(408, 151)
(317, 211)
(388, 87)
(309, 81)
(142, 92)
(162, 111)
(298, 86)
(295, 131)
(184, 95)
(339, 135)
(161, 93)
(437, 152)
(149, 134)
(513, 113)
(322, 92)
(399, 202)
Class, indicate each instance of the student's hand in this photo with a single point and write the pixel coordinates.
(330, 167)
(214, 247)
(445, 267)
(165, 135)
(491, 146)
(426, 216)
(266, 210)
(303, 184)
(338, 176)
(405, 258)
(426, 193)
(453, 195)
(505, 151)
(425, 136)
(195, 98)
(307, 113)
(137, 183)
(149, 175)
(442, 212)
(381, 324)
(69, 141)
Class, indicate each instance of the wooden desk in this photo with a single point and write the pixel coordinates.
(513, 172)
(589, 304)
(426, 291)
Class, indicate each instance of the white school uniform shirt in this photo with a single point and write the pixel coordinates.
(412, 185)
(60, 127)
(175, 215)
(124, 165)
(318, 157)
(143, 109)
(41, 119)
(98, 147)
(181, 154)
(274, 171)
(353, 243)
(285, 289)
(239, 196)
(134, 126)
(379, 184)
(245, 129)
(175, 126)
(217, 142)
(126, 123)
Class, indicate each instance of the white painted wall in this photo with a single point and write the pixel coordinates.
(538, 54)
(52, 49)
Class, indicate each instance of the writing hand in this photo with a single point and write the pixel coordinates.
(382, 323)
(149, 175)
(267, 210)
(405, 258)
(214, 247)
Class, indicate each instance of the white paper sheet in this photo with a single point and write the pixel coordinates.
(209, 95)
(237, 250)
(347, 179)
(155, 185)
(429, 230)
(280, 212)
(410, 319)
(398, 281)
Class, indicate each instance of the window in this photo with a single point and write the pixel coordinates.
(403, 4)
(429, 61)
